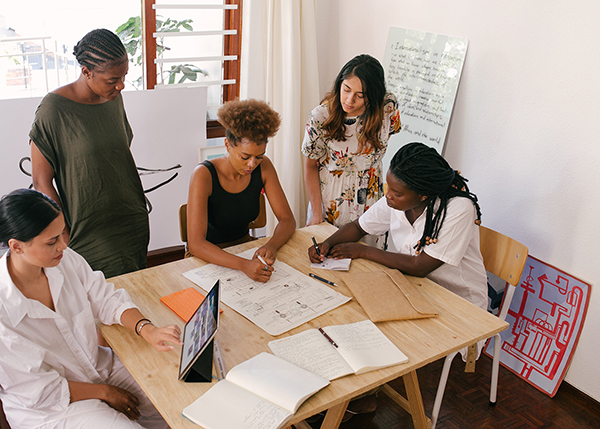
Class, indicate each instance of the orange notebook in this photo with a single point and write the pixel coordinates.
(184, 302)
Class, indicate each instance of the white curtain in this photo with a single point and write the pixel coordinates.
(279, 66)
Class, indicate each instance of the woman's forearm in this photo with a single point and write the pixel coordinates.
(283, 231)
(313, 187)
(82, 391)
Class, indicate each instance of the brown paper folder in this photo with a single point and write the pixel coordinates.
(388, 295)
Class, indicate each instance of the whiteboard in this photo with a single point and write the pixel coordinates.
(168, 126)
(423, 70)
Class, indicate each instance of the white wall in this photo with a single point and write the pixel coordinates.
(169, 127)
(525, 124)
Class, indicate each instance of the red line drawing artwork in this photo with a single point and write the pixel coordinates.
(546, 316)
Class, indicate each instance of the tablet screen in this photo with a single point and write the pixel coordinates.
(200, 330)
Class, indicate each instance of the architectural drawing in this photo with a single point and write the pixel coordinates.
(546, 316)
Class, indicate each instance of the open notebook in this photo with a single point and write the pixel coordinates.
(263, 392)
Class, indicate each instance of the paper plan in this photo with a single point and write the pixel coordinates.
(286, 301)
(333, 264)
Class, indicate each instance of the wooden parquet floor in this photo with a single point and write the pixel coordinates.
(466, 403)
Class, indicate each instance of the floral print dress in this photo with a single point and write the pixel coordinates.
(351, 182)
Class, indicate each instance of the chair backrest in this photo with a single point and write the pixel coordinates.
(502, 256)
(259, 222)
(261, 219)
(183, 222)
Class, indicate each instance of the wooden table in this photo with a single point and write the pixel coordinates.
(459, 324)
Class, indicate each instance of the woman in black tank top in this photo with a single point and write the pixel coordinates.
(224, 195)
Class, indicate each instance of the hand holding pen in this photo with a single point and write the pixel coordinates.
(316, 252)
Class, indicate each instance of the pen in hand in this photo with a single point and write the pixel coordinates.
(316, 246)
(264, 262)
(328, 337)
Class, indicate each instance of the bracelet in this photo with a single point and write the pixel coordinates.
(144, 323)
(138, 322)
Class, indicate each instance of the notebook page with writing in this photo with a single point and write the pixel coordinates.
(313, 352)
(364, 346)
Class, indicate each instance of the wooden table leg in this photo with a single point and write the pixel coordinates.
(413, 393)
(334, 416)
(301, 425)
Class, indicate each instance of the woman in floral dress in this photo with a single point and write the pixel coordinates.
(345, 141)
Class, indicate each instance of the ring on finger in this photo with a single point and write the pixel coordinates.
(266, 268)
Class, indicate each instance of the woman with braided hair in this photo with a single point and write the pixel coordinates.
(432, 218)
(80, 139)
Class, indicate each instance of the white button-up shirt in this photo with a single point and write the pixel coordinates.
(41, 349)
(463, 271)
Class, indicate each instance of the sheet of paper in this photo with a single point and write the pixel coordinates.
(286, 301)
(276, 380)
(333, 264)
(227, 405)
(313, 352)
(364, 346)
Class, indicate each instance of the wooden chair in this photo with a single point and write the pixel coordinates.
(259, 222)
(505, 258)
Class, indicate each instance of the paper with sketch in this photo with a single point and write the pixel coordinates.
(333, 264)
(286, 301)
(361, 347)
(260, 393)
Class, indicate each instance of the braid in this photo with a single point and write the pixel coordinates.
(99, 47)
(427, 173)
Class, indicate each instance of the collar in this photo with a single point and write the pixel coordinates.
(16, 305)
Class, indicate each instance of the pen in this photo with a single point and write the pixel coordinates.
(314, 276)
(328, 337)
(263, 261)
(316, 247)
(219, 363)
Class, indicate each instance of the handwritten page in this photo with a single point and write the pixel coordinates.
(361, 347)
(260, 393)
(311, 350)
(333, 264)
(357, 343)
(423, 70)
(286, 301)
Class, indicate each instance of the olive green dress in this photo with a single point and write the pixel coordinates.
(87, 146)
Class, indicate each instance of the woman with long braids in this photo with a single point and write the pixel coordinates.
(80, 138)
(346, 138)
(432, 218)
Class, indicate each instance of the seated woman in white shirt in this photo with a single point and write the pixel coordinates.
(432, 219)
(53, 374)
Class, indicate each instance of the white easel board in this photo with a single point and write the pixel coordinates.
(423, 70)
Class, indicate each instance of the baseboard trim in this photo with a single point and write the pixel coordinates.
(164, 255)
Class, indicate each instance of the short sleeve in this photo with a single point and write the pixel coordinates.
(456, 233)
(377, 219)
(42, 133)
(314, 145)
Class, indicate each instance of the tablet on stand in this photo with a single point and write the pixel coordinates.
(198, 335)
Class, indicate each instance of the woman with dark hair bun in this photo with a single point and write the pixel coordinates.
(433, 222)
(345, 141)
(80, 139)
(53, 373)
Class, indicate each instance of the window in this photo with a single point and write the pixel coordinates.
(178, 44)
(204, 49)
(37, 39)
